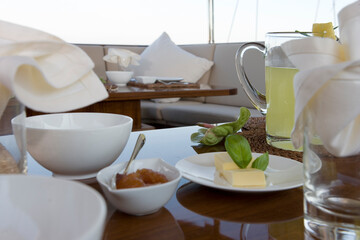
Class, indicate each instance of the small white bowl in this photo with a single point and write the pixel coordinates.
(77, 145)
(143, 200)
(36, 207)
(120, 78)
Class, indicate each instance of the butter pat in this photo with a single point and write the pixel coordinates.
(223, 162)
(247, 177)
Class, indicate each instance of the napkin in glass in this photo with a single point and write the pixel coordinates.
(328, 85)
(122, 57)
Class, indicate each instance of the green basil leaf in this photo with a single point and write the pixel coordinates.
(214, 135)
(261, 162)
(210, 138)
(234, 127)
(243, 118)
(239, 149)
(222, 130)
(196, 137)
(203, 130)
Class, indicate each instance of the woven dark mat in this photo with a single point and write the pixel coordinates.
(254, 131)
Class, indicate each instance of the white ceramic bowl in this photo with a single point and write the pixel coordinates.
(143, 200)
(36, 207)
(120, 78)
(77, 145)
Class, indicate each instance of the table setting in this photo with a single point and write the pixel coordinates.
(149, 82)
(125, 59)
(292, 174)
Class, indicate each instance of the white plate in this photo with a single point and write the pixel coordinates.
(284, 172)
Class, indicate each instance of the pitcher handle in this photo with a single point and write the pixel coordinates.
(257, 98)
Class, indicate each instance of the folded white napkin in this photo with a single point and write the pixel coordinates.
(327, 86)
(197, 170)
(45, 73)
(122, 57)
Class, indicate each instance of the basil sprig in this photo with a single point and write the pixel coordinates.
(238, 148)
(212, 135)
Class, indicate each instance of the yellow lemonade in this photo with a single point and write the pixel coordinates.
(280, 102)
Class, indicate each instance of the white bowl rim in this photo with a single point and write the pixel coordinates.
(99, 220)
(115, 167)
(129, 121)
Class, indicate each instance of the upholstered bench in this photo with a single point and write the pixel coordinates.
(202, 109)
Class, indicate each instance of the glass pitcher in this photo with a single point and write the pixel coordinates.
(278, 103)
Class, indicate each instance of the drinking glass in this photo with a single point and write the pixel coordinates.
(12, 138)
(331, 188)
(278, 103)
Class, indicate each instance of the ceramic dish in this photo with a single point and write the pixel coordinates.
(36, 207)
(142, 200)
(119, 78)
(77, 145)
(282, 173)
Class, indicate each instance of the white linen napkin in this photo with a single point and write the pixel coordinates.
(45, 73)
(328, 85)
(122, 57)
(196, 170)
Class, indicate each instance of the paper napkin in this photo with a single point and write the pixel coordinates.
(327, 87)
(122, 57)
(196, 170)
(45, 73)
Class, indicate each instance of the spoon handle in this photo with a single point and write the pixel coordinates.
(139, 144)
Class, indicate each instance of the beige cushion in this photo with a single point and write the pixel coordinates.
(163, 58)
(178, 113)
(96, 53)
(204, 51)
(150, 110)
(153, 110)
(224, 74)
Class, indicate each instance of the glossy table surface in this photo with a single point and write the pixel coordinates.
(198, 212)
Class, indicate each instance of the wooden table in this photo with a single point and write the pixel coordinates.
(198, 212)
(127, 100)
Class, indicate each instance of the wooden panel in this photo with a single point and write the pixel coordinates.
(129, 108)
(134, 93)
(126, 100)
